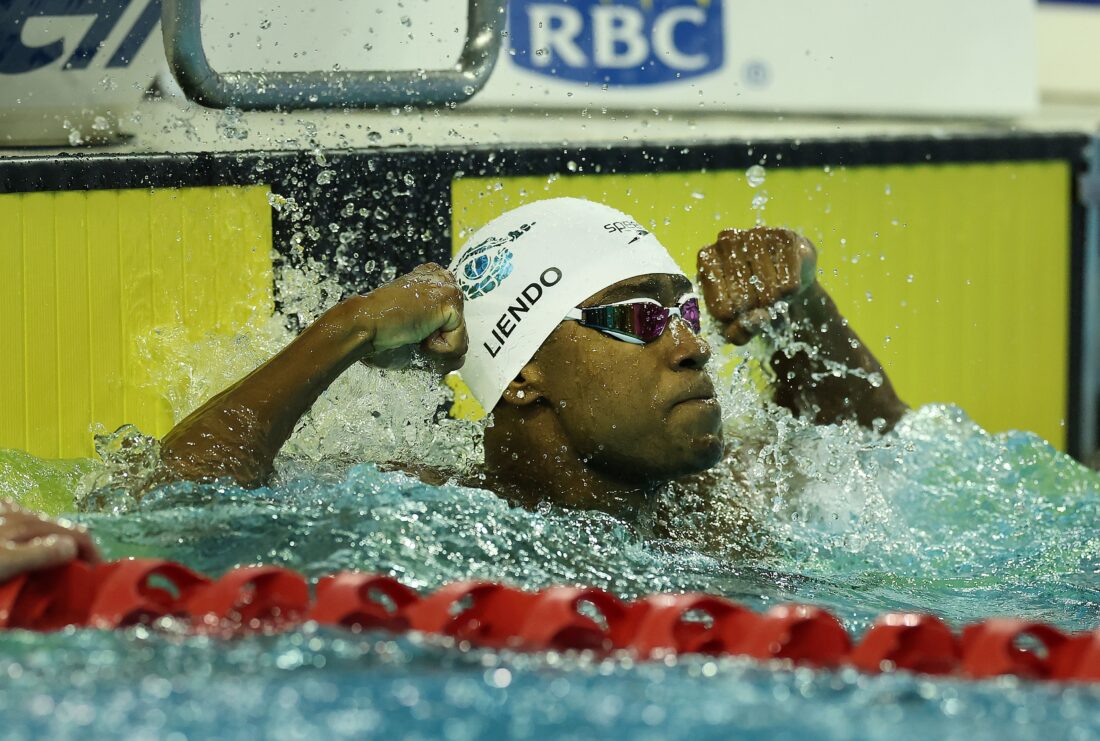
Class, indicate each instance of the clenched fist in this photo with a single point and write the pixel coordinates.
(419, 312)
(745, 272)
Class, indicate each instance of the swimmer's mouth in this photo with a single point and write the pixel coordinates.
(700, 393)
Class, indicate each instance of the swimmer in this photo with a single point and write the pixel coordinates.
(574, 326)
(32, 542)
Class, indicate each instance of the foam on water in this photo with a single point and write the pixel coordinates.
(937, 516)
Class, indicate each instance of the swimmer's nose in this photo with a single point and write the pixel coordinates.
(689, 350)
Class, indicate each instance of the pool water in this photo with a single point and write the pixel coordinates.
(946, 518)
(937, 516)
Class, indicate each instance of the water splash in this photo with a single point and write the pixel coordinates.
(896, 519)
(938, 516)
(755, 176)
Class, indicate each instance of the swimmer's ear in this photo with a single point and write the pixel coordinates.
(525, 388)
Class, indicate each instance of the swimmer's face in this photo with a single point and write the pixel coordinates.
(639, 412)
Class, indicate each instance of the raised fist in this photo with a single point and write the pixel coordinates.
(416, 313)
(745, 272)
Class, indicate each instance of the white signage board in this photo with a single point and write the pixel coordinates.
(70, 70)
(932, 57)
(1069, 50)
(879, 57)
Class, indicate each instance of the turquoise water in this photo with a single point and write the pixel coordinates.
(937, 516)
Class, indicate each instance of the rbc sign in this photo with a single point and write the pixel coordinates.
(621, 42)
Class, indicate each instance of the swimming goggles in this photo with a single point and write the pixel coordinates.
(638, 321)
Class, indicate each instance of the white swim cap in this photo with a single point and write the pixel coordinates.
(523, 271)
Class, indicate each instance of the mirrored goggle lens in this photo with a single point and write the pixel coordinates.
(651, 320)
(643, 320)
(689, 311)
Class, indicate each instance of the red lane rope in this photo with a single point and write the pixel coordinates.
(255, 598)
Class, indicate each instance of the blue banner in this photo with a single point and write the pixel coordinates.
(621, 42)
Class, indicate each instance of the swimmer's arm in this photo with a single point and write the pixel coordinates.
(804, 379)
(743, 276)
(238, 433)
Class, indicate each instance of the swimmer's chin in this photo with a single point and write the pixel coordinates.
(712, 447)
(701, 422)
(706, 452)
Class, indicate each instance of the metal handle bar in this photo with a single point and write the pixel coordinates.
(265, 91)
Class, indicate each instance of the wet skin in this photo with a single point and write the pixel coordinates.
(590, 421)
(644, 411)
(595, 422)
(31, 542)
(744, 276)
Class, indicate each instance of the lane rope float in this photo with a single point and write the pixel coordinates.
(271, 598)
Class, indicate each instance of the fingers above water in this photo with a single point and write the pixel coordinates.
(446, 350)
(745, 272)
(30, 541)
(423, 307)
(36, 554)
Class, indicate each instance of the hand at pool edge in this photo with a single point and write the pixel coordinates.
(31, 542)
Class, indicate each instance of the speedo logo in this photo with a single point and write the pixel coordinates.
(515, 312)
(619, 42)
(631, 227)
